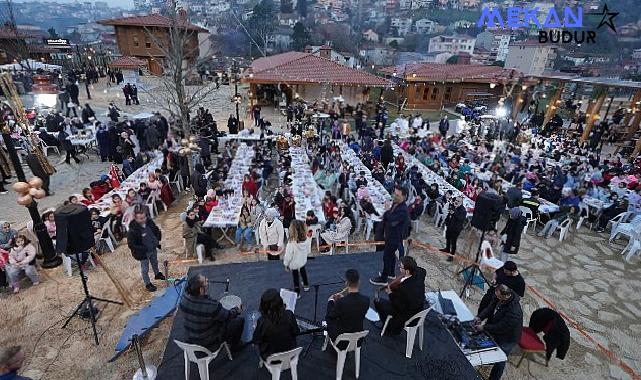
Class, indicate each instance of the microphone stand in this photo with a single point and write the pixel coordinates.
(315, 321)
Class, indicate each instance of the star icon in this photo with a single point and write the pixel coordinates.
(607, 19)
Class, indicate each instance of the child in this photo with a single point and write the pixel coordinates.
(20, 260)
(144, 191)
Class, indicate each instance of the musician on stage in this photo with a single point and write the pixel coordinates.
(207, 322)
(406, 296)
(346, 310)
(276, 328)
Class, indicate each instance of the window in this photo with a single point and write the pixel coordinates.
(136, 42)
(448, 93)
(426, 92)
(147, 43)
(434, 92)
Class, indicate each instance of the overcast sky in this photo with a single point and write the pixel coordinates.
(128, 4)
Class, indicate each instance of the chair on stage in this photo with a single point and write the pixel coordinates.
(315, 230)
(352, 340)
(190, 351)
(282, 361)
(412, 325)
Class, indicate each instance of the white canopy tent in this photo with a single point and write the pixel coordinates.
(30, 63)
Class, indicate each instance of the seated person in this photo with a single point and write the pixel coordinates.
(276, 328)
(508, 275)
(7, 234)
(194, 234)
(504, 322)
(406, 299)
(416, 208)
(311, 219)
(207, 322)
(50, 222)
(532, 202)
(87, 197)
(346, 312)
(565, 212)
(21, 259)
(144, 191)
(618, 206)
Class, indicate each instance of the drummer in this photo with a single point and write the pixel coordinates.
(207, 322)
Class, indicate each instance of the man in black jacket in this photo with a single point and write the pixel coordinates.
(207, 322)
(443, 126)
(404, 301)
(396, 222)
(504, 322)
(387, 153)
(143, 238)
(454, 221)
(345, 313)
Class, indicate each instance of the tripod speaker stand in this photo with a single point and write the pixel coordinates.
(88, 302)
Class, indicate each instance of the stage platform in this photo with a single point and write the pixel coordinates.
(381, 357)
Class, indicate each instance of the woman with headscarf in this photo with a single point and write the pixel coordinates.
(194, 234)
(271, 234)
(512, 232)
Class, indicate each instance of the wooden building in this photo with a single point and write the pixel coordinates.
(279, 79)
(434, 85)
(137, 36)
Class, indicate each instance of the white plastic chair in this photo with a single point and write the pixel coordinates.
(529, 216)
(315, 229)
(67, 261)
(412, 325)
(333, 245)
(564, 227)
(282, 361)
(623, 217)
(190, 350)
(625, 228)
(439, 216)
(178, 182)
(151, 204)
(634, 245)
(352, 346)
(45, 148)
(107, 239)
(583, 209)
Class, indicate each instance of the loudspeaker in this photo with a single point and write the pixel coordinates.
(74, 233)
(487, 210)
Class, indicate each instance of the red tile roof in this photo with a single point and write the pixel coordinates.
(295, 67)
(451, 73)
(149, 20)
(128, 62)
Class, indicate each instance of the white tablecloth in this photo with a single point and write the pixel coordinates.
(376, 190)
(133, 181)
(430, 177)
(307, 194)
(85, 141)
(227, 212)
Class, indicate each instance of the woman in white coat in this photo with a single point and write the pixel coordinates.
(343, 227)
(296, 252)
(271, 234)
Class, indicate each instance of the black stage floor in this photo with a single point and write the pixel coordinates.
(381, 357)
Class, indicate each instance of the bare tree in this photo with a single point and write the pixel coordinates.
(15, 44)
(178, 43)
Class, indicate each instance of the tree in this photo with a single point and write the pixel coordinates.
(300, 36)
(261, 25)
(52, 33)
(178, 43)
(286, 6)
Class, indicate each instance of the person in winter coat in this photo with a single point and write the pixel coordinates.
(343, 227)
(296, 252)
(271, 234)
(198, 181)
(504, 322)
(512, 230)
(21, 259)
(66, 144)
(183, 169)
(104, 143)
(387, 153)
(143, 239)
(87, 113)
(245, 227)
(193, 234)
(444, 126)
(276, 329)
(113, 112)
(454, 223)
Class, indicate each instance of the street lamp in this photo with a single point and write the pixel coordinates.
(237, 97)
(28, 191)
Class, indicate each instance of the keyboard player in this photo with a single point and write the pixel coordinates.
(346, 310)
